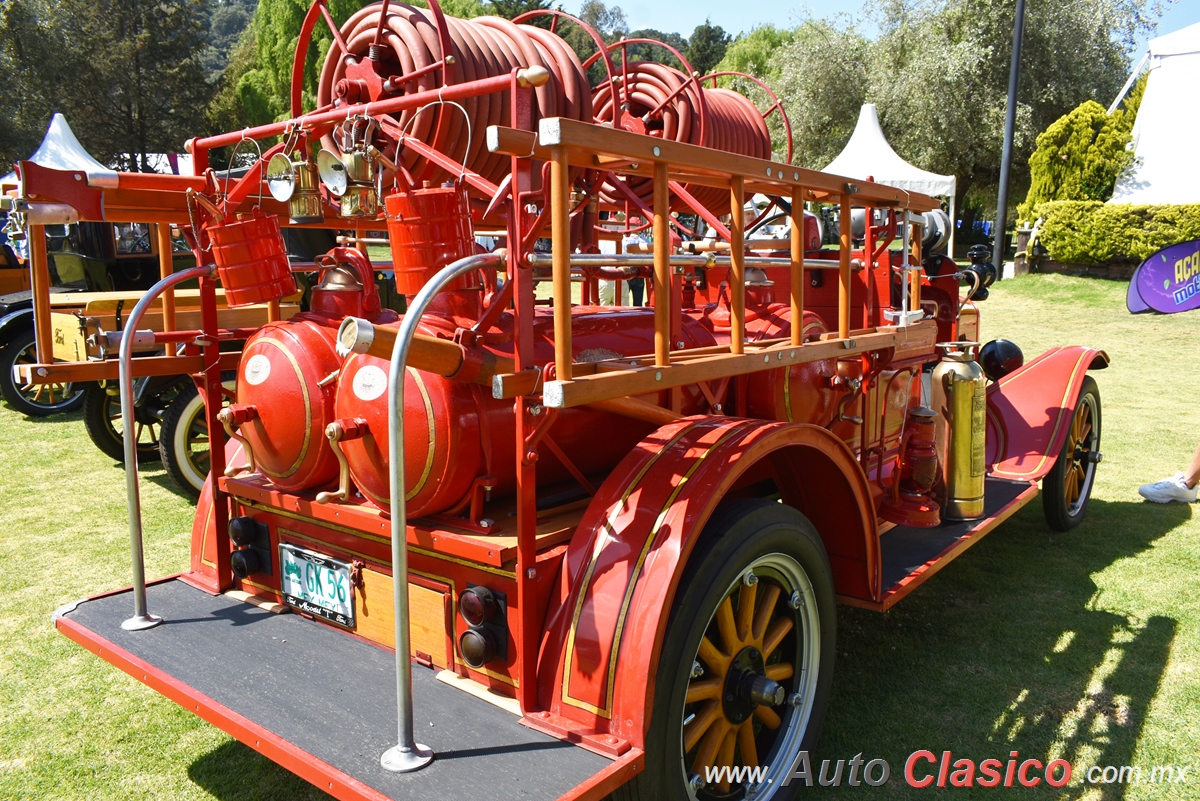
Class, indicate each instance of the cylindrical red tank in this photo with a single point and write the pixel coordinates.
(456, 432)
(286, 367)
(251, 259)
(282, 365)
(428, 229)
(804, 395)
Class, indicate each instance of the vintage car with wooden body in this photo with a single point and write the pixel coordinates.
(512, 543)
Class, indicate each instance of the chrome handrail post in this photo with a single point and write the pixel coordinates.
(408, 755)
(142, 619)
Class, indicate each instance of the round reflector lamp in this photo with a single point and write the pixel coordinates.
(477, 647)
(244, 563)
(242, 530)
(477, 606)
(1000, 357)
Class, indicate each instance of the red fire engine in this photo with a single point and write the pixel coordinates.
(610, 538)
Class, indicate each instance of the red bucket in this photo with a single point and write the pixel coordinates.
(428, 229)
(251, 259)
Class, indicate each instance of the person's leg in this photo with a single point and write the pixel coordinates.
(1191, 476)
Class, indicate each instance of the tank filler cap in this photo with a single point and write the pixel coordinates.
(340, 279)
(355, 335)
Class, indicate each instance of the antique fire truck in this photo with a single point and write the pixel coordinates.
(516, 544)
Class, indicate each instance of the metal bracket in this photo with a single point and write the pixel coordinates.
(548, 415)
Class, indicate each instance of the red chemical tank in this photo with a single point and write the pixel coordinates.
(805, 395)
(456, 432)
(282, 369)
(287, 373)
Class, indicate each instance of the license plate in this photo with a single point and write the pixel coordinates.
(317, 585)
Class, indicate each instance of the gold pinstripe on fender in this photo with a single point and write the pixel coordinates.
(632, 585)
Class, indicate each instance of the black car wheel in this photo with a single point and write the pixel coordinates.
(35, 400)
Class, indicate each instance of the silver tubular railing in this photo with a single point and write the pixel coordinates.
(407, 754)
(142, 619)
(677, 260)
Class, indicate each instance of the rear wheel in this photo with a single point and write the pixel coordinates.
(1067, 488)
(747, 661)
(35, 400)
(183, 442)
(102, 417)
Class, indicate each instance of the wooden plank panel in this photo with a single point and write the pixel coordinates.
(783, 178)
(189, 319)
(426, 609)
(107, 370)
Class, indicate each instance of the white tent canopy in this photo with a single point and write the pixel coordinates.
(1167, 164)
(60, 150)
(868, 155)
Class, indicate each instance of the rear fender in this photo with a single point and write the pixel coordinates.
(1029, 410)
(15, 323)
(203, 572)
(604, 630)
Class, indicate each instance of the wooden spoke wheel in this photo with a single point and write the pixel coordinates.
(35, 400)
(102, 416)
(184, 445)
(747, 662)
(1067, 488)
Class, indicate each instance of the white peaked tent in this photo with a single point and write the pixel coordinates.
(60, 150)
(1167, 164)
(868, 155)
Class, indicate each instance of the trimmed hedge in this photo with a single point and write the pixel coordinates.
(1079, 156)
(1091, 232)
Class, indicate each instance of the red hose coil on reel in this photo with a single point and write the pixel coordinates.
(666, 103)
(482, 47)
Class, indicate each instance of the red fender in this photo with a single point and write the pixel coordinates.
(1029, 409)
(203, 572)
(621, 572)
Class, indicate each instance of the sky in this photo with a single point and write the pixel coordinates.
(736, 17)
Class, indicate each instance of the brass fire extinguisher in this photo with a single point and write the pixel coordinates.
(959, 398)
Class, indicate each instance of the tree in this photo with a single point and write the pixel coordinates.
(646, 52)
(939, 74)
(227, 111)
(608, 23)
(1080, 156)
(226, 21)
(27, 48)
(822, 78)
(706, 47)
(510, 9)
(138, 87)
(265, 90)
(751, 52)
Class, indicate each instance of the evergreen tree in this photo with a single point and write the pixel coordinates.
(138, 87)
(1081, 154)
(510, 9)
(706, 47)
(646, 52)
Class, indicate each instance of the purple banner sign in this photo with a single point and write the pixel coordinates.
(1168, 282)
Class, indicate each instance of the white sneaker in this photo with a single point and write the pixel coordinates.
(1169, 489)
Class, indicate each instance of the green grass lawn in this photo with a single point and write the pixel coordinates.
(1084, 646)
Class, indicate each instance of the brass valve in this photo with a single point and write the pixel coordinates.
(236, 415)
(337, 432)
